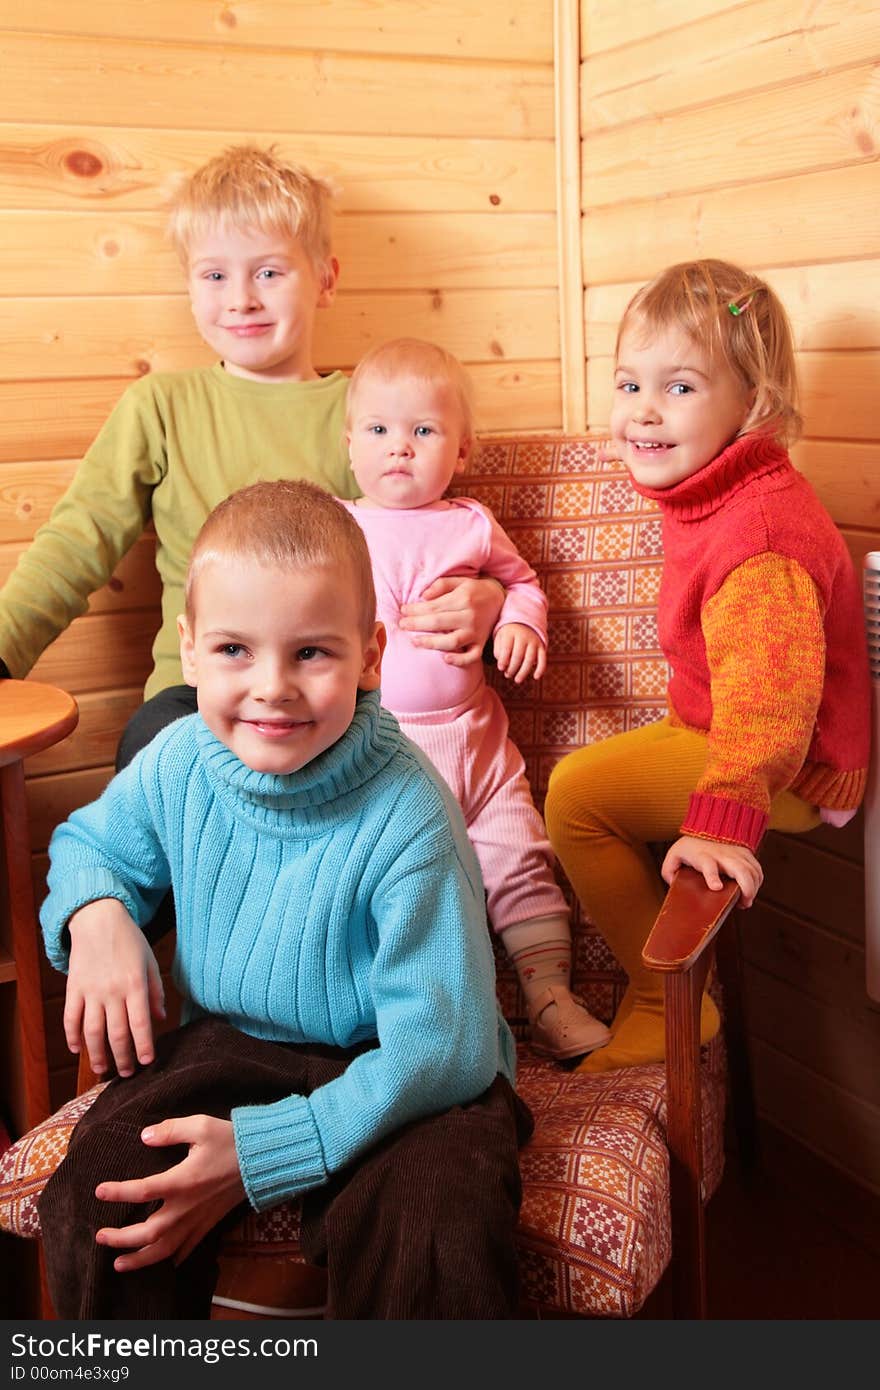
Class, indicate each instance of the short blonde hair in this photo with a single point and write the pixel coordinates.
(246, 186)
(737, 318)
(289, 525)
(416, 358)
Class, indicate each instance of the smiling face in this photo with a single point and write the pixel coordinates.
(254, 297)
(277, 656)
(406, 439)
(675, 409)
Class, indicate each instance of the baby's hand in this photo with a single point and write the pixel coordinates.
(113, 987)
(712, 858)
(519, 652)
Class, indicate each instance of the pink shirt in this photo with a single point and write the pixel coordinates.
(409, 550)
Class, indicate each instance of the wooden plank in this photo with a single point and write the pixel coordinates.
(834, 1040)
(708, 53)
(827, 1118)
(54, 420)
(100, 650)
(794, 129)
(839, 407)
(523, 31)
(28, 492)
(750, 224)
(72, 336)
(846, 477)
(134, 585)
(830, 305)
(571, 278)
(103, 715)
(174, 85)
(837, 393)
(122, 168)
(815, 885)
(821, 965)
(128, 253)
(609, 23)
(848, 842)
(51, 799)
(517, 396)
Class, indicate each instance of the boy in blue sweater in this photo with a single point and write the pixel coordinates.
(341, 1040)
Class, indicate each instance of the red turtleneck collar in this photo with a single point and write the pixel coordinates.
(748, 458)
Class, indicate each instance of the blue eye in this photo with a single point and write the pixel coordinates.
(267, 273)
(628, 386)
(680, 388)
(214, 275)
(422, 431)
(232, 649)
(377, 429)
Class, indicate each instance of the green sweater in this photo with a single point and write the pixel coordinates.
(176, 444)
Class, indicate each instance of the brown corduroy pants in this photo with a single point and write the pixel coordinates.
(420, 1226)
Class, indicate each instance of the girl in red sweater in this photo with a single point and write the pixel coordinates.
(759, 617)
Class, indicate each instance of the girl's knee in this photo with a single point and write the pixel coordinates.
(574, 792)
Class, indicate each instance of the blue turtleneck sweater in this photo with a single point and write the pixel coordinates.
(339, 903)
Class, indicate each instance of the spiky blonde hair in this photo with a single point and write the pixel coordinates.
(246, 186)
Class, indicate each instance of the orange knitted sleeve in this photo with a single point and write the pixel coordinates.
(765, 646)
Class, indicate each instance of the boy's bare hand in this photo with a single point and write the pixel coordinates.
(114, 987)
(195, 1194)
(712, 858)
(519, 652)
(455, 616)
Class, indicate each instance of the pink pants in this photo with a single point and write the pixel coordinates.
(470, 748)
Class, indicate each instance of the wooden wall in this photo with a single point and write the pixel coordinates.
(742, 130)
(751, 132)
(436, 123)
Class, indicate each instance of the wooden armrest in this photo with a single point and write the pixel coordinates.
(689, 920)
(688, 923)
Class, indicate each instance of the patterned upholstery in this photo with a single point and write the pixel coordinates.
(594, 1228)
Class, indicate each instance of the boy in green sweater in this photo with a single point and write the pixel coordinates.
(253, 235)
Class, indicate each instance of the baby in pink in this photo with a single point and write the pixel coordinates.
(409, 430)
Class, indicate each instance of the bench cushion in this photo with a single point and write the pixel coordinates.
(594, 1226)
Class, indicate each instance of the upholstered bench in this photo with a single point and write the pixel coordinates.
(595, 1231)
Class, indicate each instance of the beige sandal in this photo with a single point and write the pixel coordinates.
(570, 1031)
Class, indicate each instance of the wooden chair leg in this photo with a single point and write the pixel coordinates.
(33, 1105)
(742, 1095)
(684, 995)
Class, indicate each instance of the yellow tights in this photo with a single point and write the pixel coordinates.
(604, 805)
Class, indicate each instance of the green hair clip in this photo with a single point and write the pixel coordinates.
(737, 309)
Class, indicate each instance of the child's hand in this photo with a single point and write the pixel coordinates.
(455, 616)
(113, 987)
(712, 858)
(195, 1194)
(519, 652)
(608, 451)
